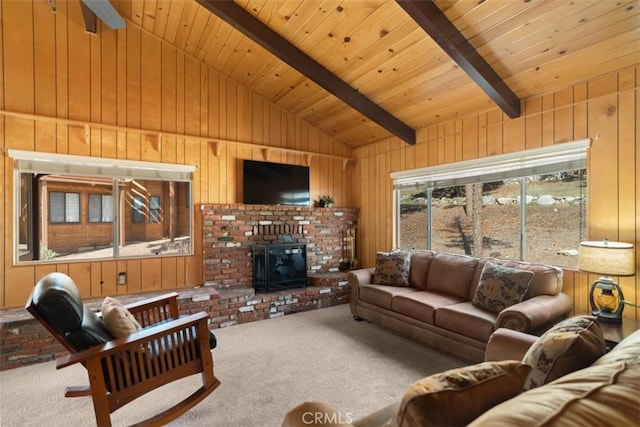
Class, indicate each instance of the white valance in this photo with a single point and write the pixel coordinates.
(537, 161)
(66, 164)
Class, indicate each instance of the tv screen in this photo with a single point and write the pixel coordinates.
(268, 183)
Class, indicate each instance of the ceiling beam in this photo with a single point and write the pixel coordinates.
(443, 32)
(104, 10)
(253, 28)
(90, 20)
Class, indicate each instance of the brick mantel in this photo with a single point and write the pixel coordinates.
(230, 230)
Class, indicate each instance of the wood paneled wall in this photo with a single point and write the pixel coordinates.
(50, 67)
(606, 109)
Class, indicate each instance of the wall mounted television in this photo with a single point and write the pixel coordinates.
(266, 183)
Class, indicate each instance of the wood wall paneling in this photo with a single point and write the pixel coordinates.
(50, 67)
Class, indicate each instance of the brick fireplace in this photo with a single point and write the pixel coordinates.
(230, 232)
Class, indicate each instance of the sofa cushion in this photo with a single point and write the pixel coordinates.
(382, 295)
(500, 287)
(422, 305)
(547, 279)
(572, 344)
(392, 268)
(451, 274)
(600, 395)
(466, 319)
(117, 319)
(458, 396)
(420, 264)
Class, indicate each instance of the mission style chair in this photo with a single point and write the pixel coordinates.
(167, 348)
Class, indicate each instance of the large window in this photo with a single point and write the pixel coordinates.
(73, 207)
(534, 211)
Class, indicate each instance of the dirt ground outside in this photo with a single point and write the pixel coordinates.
(553, 231)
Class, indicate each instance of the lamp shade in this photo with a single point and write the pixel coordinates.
(608, 258)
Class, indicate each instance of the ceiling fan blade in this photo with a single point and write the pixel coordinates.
(105, 11)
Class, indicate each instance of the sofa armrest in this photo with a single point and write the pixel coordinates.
(362, 276)
(535, 313)
(356, 278)
(507, 344)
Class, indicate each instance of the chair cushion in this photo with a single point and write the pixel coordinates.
(501, 287)
(118, 320)
(572, 344)
(458, 396)
(392, 268)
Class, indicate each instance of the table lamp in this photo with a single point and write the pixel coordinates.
(609, 259)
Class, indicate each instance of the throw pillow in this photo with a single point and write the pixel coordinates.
(568, 346)
(500, 287)
(458, 396)
(117, 319)
(392, 268)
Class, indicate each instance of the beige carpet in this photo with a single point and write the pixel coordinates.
(266, 368)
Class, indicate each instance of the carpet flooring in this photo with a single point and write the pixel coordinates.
(265, 369)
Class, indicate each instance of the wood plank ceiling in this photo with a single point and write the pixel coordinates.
(376, 47)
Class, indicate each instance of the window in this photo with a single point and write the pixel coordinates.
(138, 209)
(526, 205)
(75, 207)
(154, 209)
(64, 207)
(100, 208)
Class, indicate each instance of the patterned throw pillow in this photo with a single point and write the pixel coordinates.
(458, 396)
(392, 268)
(568, 346)
(500, 287)
(117, 319)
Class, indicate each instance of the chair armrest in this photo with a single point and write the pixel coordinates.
(507, 344)
(136, 340)
(535, 313)
(156, 309)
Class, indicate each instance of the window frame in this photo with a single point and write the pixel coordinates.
(38, 163)
(556, 158)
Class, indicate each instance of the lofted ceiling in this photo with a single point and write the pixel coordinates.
(390, 67)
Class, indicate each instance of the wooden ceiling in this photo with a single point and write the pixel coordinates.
(385, 56)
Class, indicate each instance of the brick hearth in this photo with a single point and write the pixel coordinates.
(23, 341)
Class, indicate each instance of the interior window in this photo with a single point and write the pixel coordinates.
(69, 216)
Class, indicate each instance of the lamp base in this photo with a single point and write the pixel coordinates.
(607, 317)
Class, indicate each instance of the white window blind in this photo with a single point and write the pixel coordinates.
(66, 164)
(536, 161)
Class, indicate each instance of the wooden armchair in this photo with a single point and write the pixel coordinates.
(168, 348)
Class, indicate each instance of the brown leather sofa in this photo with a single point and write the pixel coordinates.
(436, 308)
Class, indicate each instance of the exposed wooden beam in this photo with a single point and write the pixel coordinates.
(253, 28)
(90, 20)
(440, 29)
(104, 10)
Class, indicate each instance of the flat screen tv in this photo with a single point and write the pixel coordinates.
(266, 183)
